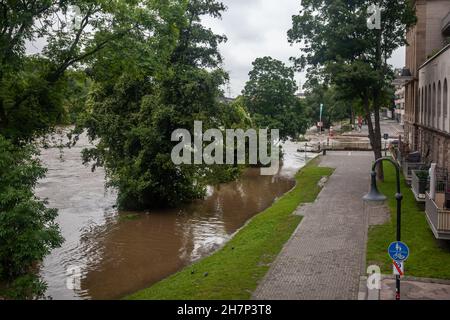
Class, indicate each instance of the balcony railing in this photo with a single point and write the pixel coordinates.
(409, 167)
(420, 184)
(437, 217)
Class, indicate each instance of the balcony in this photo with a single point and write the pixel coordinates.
(407, 161)
(420, 184)
(438, 216)
(409, 167)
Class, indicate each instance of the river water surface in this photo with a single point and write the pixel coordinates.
(119, 253)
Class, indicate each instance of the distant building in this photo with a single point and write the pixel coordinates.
(226, 99)
(301, 95)
(400, 104)
(427, 126)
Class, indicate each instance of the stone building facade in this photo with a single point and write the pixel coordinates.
(428, 59)
(433, 123)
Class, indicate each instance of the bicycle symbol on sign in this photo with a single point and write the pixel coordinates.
(398, 251)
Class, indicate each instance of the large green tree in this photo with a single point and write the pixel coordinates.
(269, 96)
(32, 88)
(340, 48)
(170, 78)
(32, 98)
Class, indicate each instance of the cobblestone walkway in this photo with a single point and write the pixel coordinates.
(326, 255)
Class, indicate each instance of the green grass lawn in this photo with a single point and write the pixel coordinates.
(429, 257)
(234, 271)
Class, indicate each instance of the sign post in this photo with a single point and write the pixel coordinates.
(399, 253)
(386, 138)
(320, 121)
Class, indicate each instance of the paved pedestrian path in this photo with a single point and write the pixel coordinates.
(326, 255)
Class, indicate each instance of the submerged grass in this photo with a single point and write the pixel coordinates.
(234, 271)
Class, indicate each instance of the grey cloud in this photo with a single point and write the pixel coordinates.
(254, 28)
(257, 28)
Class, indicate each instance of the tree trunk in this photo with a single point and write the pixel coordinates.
(376, 94)
(377, 150)
(374, 133)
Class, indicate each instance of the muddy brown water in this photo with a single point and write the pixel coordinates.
(118, 253)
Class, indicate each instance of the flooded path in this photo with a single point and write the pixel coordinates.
(119, 253)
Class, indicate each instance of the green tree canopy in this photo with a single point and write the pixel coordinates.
(33, 99)
(336, 108)
(174, 79)
(27, 228)
(269, 96)
(339, 48)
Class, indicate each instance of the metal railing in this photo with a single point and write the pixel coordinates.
(421, 185)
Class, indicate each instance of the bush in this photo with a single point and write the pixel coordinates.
(27, 228)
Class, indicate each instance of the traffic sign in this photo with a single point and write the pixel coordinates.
(398, 251)
(399, 268)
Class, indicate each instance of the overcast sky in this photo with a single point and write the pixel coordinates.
(258, 28)
(254, 28)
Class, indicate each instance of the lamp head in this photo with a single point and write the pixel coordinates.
(374, 195)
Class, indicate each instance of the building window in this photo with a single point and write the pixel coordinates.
(425, 106)
(429, 106)
(445, 105)
(425, 116)
(420, 104)
(422, 115)
(433, 107)
(439, 106)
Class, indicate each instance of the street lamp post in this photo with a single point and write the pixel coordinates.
(375, 196)
(320, 118)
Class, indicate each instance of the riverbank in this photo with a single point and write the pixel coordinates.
(234, 271)
(430, 258)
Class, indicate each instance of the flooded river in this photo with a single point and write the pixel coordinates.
(118, 253)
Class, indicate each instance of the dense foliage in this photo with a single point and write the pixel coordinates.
(34, 91)
(133, 110)
(340, 49)
(128, 73)
(270, 98)
(27, 227)
(335, 108)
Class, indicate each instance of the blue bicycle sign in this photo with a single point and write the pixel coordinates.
(398, 251)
